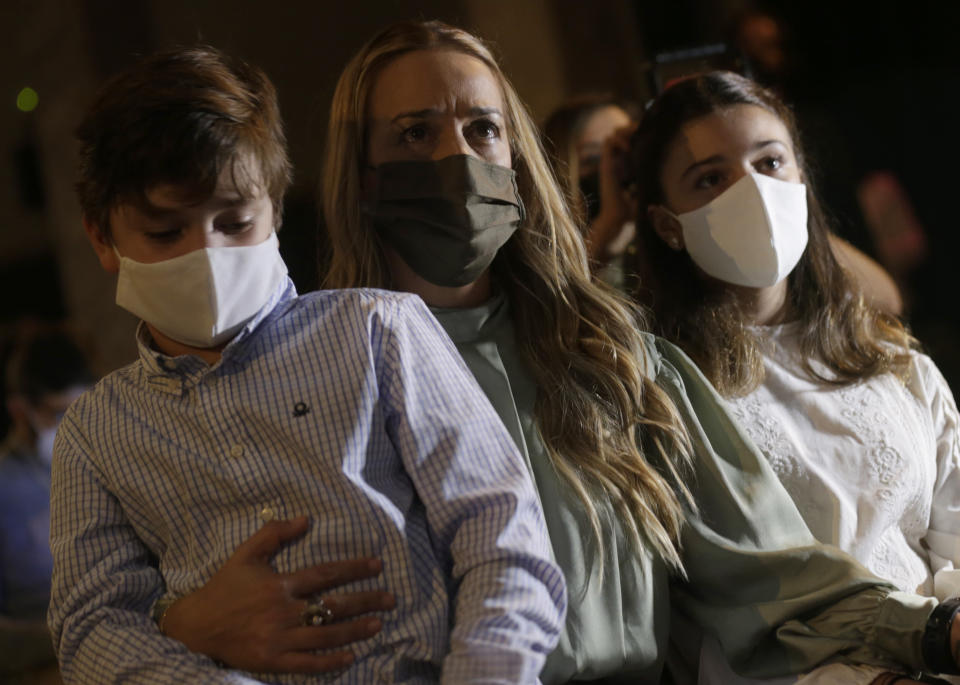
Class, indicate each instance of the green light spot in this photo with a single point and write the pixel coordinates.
(27, 100)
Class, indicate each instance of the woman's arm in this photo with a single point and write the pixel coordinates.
(249, 616)
(778, 601)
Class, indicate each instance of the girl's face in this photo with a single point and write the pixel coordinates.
(708, 156)
(713, 152)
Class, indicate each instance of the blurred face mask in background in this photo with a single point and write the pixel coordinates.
(753, 234)
(447, 219)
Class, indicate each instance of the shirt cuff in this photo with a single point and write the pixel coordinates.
(900, 624)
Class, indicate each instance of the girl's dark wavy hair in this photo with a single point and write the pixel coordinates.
(837, 326)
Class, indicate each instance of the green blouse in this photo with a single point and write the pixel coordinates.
(778, 601)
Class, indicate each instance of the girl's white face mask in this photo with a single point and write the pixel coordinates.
(753, 234)
(202, 298)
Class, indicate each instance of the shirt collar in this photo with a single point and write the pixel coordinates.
(167, 373)
(466, 325)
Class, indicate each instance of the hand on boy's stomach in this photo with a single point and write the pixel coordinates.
(250, 617)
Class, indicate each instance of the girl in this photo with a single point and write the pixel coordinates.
(860, 427)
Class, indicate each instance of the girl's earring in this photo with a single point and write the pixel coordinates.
(675, 243)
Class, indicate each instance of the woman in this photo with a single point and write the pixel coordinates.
(434, 182)
(860, 427)
(587, 139)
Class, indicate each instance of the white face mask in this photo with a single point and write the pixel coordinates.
(202, 298)
(752, 234)
(44, 444)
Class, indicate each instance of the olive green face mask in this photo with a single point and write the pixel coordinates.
(448, 218)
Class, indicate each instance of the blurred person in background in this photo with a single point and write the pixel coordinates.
(46, 371)
(587, 139)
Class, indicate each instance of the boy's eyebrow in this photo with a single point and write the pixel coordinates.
(224, 201)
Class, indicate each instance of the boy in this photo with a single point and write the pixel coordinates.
(249, 403)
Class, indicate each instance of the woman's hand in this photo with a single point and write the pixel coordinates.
(616, 206)
(250, 617)
(893, 679)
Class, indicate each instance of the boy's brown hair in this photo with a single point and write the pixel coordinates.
(181, 116)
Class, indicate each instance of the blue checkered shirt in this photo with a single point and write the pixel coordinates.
(351, 407)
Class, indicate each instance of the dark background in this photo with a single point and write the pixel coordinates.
(875, 86)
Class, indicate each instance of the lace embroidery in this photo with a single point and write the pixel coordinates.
(891, 492)
(767, 434)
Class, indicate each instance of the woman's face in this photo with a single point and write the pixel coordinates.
(425, 106)
(431, 104)
(713, 152)
(598, 127)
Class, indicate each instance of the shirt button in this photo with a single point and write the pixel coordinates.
(236, 451)
(268, 514)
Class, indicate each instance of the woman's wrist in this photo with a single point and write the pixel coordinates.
(939, 643)
(160, 609)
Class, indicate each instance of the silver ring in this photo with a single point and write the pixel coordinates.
(317, 613)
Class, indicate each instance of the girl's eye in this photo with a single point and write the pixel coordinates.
(771, 163)
(708, 180)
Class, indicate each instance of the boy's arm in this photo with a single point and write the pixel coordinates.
(481, 505)
(105, 581)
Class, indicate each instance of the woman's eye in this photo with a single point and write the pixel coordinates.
(484, 128)
(414, 134)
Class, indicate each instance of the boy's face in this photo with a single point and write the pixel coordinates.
(172, 222)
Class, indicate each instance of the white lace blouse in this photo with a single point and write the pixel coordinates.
(873, 467)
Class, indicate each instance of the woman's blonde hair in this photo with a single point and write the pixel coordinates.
(598, 413)
(837, 326)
